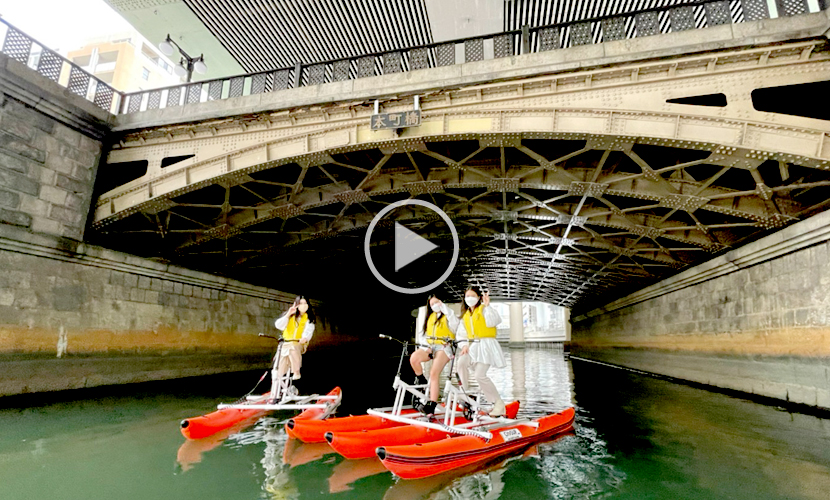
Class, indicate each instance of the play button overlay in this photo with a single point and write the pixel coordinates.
(409, 248)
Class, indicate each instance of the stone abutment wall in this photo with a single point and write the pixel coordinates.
(755, 320)
(74, 315)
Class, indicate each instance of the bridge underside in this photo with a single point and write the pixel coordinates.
(558, 219)
(573, 188)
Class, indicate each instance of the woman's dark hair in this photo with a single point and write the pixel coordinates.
(477, 290)
(311, 317)
(429, 312)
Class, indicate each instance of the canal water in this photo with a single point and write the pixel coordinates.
(635, 437)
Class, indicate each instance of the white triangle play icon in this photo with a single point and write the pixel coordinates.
(409, 246)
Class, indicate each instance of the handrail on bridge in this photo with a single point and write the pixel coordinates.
(25, 49)
(666, 19)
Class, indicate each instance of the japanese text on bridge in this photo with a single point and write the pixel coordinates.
(401, 119)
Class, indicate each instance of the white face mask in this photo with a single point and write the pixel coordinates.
(471, 301)
(436, 308)
(302, 308)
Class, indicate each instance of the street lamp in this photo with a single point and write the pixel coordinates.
(186, 64)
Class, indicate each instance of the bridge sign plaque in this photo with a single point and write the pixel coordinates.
(401, 119)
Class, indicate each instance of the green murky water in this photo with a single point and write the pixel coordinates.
(636, 437)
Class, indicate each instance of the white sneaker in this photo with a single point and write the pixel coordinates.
(498, 409)
(296, 376)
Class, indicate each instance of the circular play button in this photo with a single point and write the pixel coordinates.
(409, 246)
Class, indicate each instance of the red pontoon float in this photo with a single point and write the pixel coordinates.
(229, 416)
(283, 396)
(362, 444)
(428, 459)
(314, 431)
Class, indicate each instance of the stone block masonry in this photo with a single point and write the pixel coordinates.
(50, 148)
(75, 316)
(46, 172)
(755, 320)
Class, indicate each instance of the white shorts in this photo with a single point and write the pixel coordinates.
(287, 347)
(448, 350)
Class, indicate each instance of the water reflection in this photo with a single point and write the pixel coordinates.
(348, 472)
(579, 467)
(191, 451)
(635, 437)
(550, 387)
(673, 439)
(575, 463)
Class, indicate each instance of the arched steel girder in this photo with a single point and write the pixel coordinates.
(541, 216)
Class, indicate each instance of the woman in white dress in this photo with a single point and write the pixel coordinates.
(481, 350)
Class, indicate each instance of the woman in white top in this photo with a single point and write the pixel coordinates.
(297, 327)
(481, 349)
(434, 337)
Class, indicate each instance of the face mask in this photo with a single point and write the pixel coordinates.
(471, 301)
(436, 308)
(302, 308)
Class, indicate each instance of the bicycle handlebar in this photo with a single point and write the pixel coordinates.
(278, 339)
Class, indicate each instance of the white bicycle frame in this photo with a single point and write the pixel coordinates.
(284, 395)
(453, 396)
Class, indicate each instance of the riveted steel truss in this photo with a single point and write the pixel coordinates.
(559, 219)
(573, 187)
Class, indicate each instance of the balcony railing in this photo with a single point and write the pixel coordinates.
(681, 17)
(25, 49)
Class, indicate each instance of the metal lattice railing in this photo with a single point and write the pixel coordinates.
(685, 16)
(25, 49)
(680, 17)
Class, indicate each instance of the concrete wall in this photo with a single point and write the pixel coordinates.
(76, 316)
(761, 324)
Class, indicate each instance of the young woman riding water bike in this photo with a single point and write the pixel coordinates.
(481, 350)
(434, 336)
(297, 326)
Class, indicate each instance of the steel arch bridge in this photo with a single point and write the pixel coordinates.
(563, 187)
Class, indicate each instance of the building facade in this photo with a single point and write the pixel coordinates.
(126, 61)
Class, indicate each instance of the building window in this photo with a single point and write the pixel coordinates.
(108, 57)
(82, 61)
(145, 73)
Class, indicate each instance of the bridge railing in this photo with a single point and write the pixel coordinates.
(25, 49)
(685, 16)
(680, 17)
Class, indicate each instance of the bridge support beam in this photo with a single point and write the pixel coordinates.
(756, 319)
(517, 331)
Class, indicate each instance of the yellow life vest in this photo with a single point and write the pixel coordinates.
(439, 329)
(295, 331)
(476, 326)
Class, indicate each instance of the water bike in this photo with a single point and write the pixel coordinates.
(358, 436)
(282, 396)
(461, 413)
(421, 460)
(459, 434)
(314, 431)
